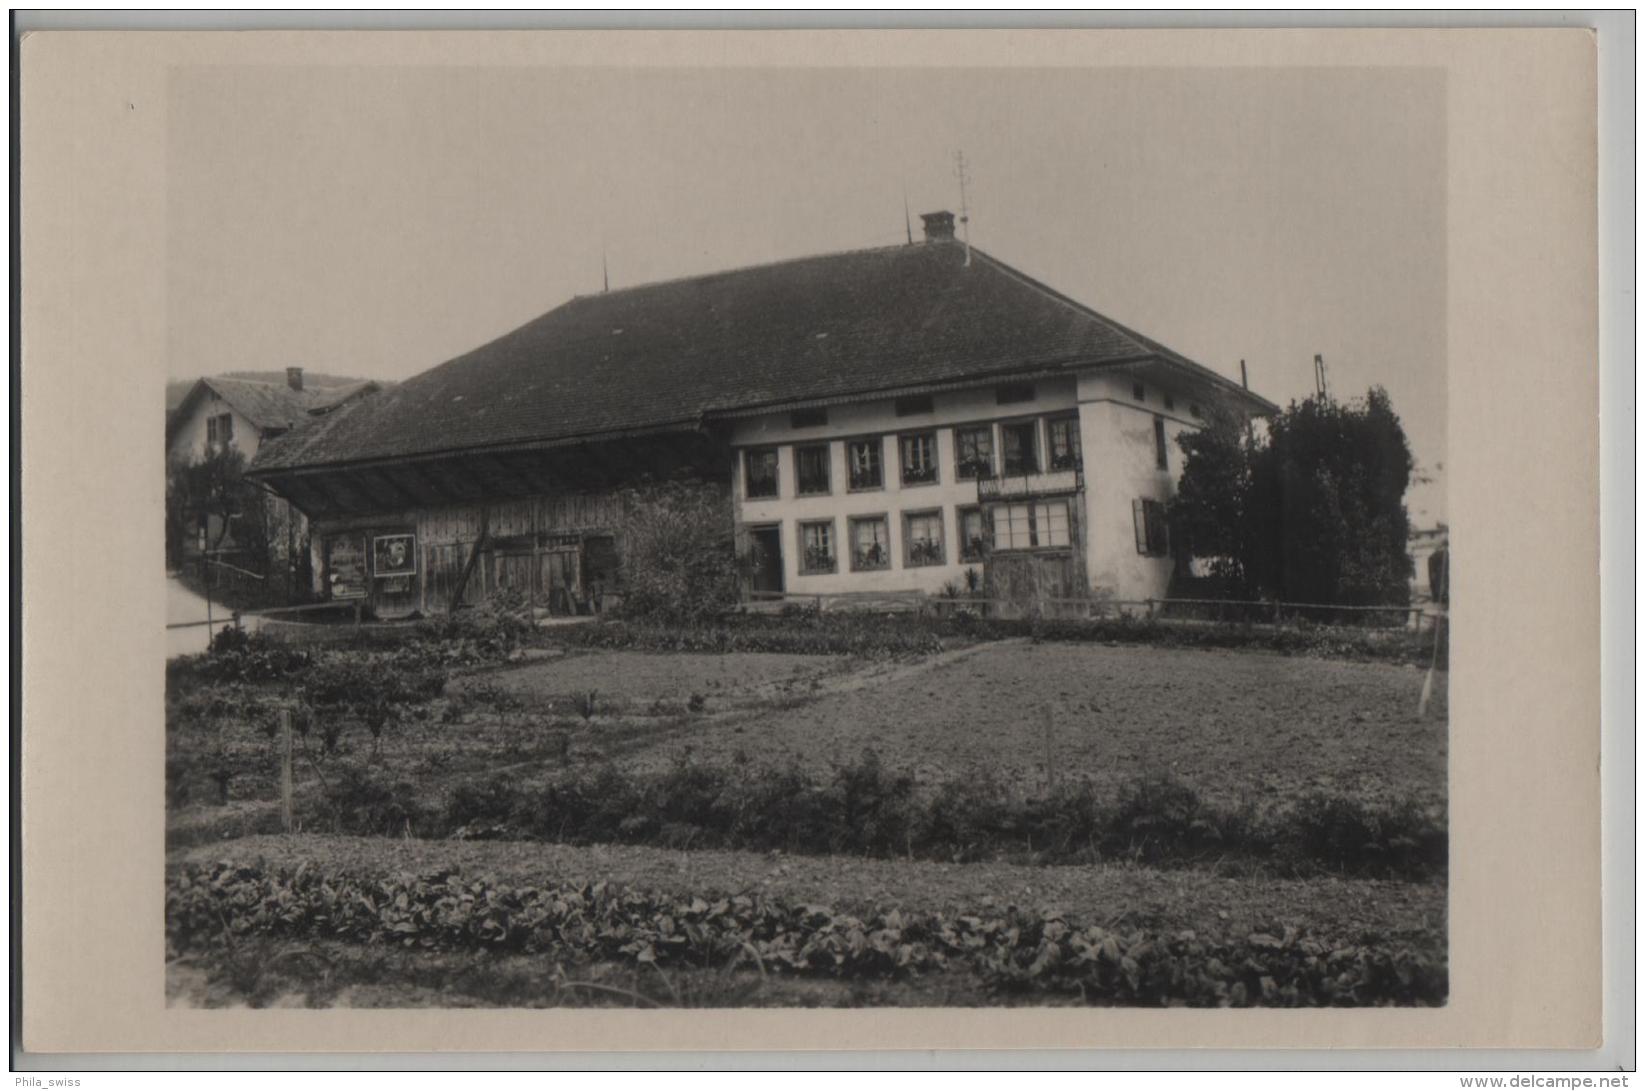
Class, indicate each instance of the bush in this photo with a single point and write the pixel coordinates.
(1348, 835)
(364, 802)
(804, 631)
(680, 565)
(863, 808)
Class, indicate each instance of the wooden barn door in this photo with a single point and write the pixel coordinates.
(560, 579)
(513, 573)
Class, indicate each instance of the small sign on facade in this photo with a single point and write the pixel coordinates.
(346, 566)
(393, 555)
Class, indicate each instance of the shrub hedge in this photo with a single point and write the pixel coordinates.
(213, 907)
(865, 809)
(880, 635)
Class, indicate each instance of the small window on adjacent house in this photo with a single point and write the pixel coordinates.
(808, 418)
(1063, 437)
(1170, 402)
(974, 452)
(760, 469)
(870, 543)
(914, 405)
(811, 470)
(1160, 458)
(220, 430)
(1019, 443)
(1152, 531)
(1011, 393)
(816, 548)
(1193, 410)
(973, 528)
(922, 538)
(863, 464)
(1139, 392)
(919, 458)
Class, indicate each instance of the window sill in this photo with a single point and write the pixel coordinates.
(865, 488)
(818, 572)
(814, 492)
(920, 484)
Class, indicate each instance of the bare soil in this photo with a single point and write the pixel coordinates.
(1235, 725)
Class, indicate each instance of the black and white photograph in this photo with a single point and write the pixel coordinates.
(806, 538)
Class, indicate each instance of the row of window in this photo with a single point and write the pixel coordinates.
(1042, 524)
(917, 460)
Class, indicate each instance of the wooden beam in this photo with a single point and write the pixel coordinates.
(510, 474)
(419, 472)
(317, 483)
(403, 496)
(298, 490)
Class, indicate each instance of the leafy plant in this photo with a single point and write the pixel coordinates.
(211, 909)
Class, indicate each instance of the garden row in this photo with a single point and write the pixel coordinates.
(213, 909)
(880, 635)
(864, 809)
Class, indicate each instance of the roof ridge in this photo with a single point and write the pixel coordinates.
(757, 266)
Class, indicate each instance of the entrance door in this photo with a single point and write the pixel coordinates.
(766, 559)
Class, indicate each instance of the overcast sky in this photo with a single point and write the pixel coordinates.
(377, 221)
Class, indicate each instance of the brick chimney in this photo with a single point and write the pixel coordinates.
(939, 226)
(294, 375)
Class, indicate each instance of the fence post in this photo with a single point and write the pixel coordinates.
(285, 770)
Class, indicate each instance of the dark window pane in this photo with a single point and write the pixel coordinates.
(811, 470)
(1159, 444)
(919, 458)
(913, 405)
(1014, 392)
(863, 464)
(762, 472)
(974, 452)
(1018, 447)
(808, 418)
(1064, 435)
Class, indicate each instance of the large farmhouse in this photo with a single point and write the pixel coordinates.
(875, 421)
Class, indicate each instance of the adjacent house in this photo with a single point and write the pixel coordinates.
(877, 421)
(227, 412)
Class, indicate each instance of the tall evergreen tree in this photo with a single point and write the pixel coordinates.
(1311, 511)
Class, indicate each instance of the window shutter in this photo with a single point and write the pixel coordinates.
(1139, 522)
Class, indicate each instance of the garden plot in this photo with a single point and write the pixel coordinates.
(622, 679)
(1237, 726)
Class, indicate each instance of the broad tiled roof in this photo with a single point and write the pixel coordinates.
(677, 353)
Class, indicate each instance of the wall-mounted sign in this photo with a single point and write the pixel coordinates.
(346, 566)
(393, 555)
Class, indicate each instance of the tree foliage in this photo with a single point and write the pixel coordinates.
(680, 563)
(1312, 511)
(216, 486)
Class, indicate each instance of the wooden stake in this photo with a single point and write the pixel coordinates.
(285, 770)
